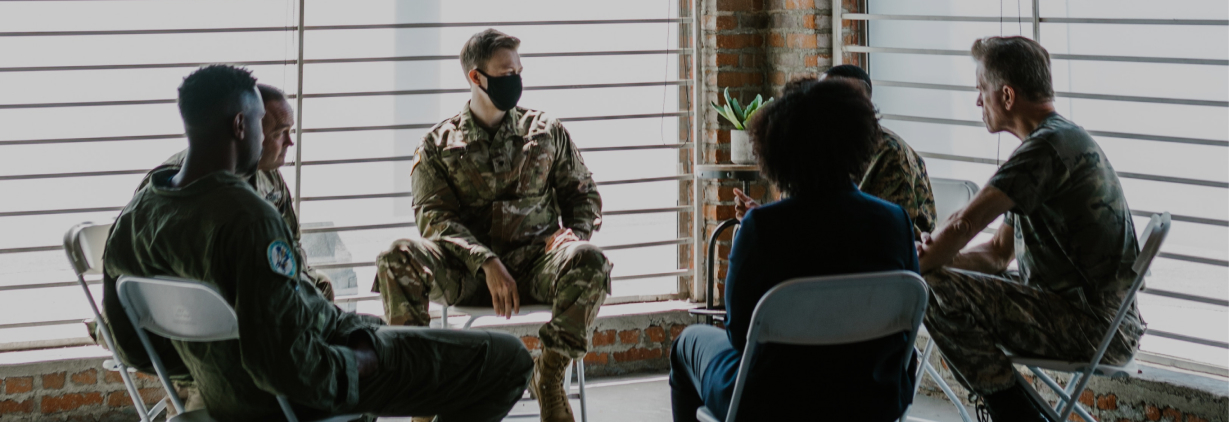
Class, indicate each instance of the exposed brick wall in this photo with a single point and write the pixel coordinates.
(1141, 398)
(621, 345)
(752, 47)
(76, 390)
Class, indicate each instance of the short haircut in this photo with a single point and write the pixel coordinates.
(851, 71)
(270, 93)
(483, 45)
(1017, 62)
(212, 94)
(817, 139)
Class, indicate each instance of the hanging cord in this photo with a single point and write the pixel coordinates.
(1019, 19)
(665, 79)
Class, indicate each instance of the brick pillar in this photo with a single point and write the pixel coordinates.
(854, 33)
(752, 47)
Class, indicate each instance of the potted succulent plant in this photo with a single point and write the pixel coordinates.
(740, 141)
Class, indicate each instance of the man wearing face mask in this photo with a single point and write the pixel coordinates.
(505, 206)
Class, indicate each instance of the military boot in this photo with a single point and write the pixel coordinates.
(547, 386)
(1012, 405)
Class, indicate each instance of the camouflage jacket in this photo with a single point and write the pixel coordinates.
(1073, 230)
(270, 185)
(219, 231)
(896, 174)
(482, 196)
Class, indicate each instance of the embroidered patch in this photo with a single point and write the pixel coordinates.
(281, 259)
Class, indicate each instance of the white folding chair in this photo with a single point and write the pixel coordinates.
(84, 244)
(831, 310)
(1068, 398)
(950, 196)
(185, 310)
(476, 312)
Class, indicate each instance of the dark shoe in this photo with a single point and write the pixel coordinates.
(1011, 405)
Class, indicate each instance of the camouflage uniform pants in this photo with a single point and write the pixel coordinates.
(971, 315)
(574, 279)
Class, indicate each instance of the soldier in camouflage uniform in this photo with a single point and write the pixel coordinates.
(268, 182)
(1068, 225)
(505, 206)
(205, 222)
(895, 172)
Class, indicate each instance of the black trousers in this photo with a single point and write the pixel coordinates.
(458, 375)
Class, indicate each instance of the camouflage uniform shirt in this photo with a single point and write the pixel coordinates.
(1073, 230)
(896, 174)
(482, 196)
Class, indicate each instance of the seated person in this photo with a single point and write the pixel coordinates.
(895, 173)
(1068, 224)
(204, 222)
(505, 206)
(268, 181)
(810, 143)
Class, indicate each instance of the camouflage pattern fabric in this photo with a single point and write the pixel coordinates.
(573, 278)
(1073, 230)
(898, 175)
(479, 196)
(970, 315)
(270, 185)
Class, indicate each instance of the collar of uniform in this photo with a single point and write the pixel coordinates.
(474, 133)
(160, 182)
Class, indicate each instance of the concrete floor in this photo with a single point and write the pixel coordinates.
(646, 398)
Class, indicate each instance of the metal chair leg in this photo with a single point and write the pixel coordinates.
(947, 390)
(580, 376)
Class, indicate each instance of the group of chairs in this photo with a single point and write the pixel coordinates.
(874, 305)
(868, 306)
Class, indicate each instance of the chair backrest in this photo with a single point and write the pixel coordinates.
(831, 310)
(84, 244)
(950, 195)
(1151, 239)
(178, 309)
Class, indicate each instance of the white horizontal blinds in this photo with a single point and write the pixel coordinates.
(86, 113)
(1155, 96)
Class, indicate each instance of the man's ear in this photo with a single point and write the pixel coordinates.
(239, 127)
(473, 76)
(1008, 95)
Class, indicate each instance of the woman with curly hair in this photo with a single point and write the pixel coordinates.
(812, 143)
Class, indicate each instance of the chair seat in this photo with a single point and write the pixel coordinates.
(1113, 371)
(704, 415)
(481, 311)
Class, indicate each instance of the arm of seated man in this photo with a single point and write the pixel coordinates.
(944, 246)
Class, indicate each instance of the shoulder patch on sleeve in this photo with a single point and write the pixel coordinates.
(281, 258)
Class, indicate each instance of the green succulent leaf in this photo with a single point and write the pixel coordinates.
(738, 110)
(727, 113)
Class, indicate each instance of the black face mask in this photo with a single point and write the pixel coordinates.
(504, 91)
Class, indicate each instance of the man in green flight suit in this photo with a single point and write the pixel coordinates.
(205, 222)
(1068, 225)
(505, 205)
(268, 181)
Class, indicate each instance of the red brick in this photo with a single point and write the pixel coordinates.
(719, 212)
(18, 385)
(147, 377)
(808, 22)
(637, 353)
(723, 136)
(656, 334)
(675, 330)
(69, 402)
(1171, 414)
(739, 5)
(776, 78)
(152, 395)
(112, 377)
(87, 377)
(1107, 402)
(776, 40)
(12, 406)
(629, 337)
(727, 60)
(737, 41)
(810, 60)
(726, 236)
(799, 4)
(53, 381)
(598, 358)
(725, 23)
(1192, 418)
(118, 399)
(807, 41)
(1086, 398)
(1152, 413)
(603, 338)
(531, 342)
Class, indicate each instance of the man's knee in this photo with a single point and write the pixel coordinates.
(512, 352)
(586, 262)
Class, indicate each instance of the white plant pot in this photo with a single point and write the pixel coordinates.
(740, 147)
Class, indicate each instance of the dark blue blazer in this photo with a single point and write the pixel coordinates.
(842, 232)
